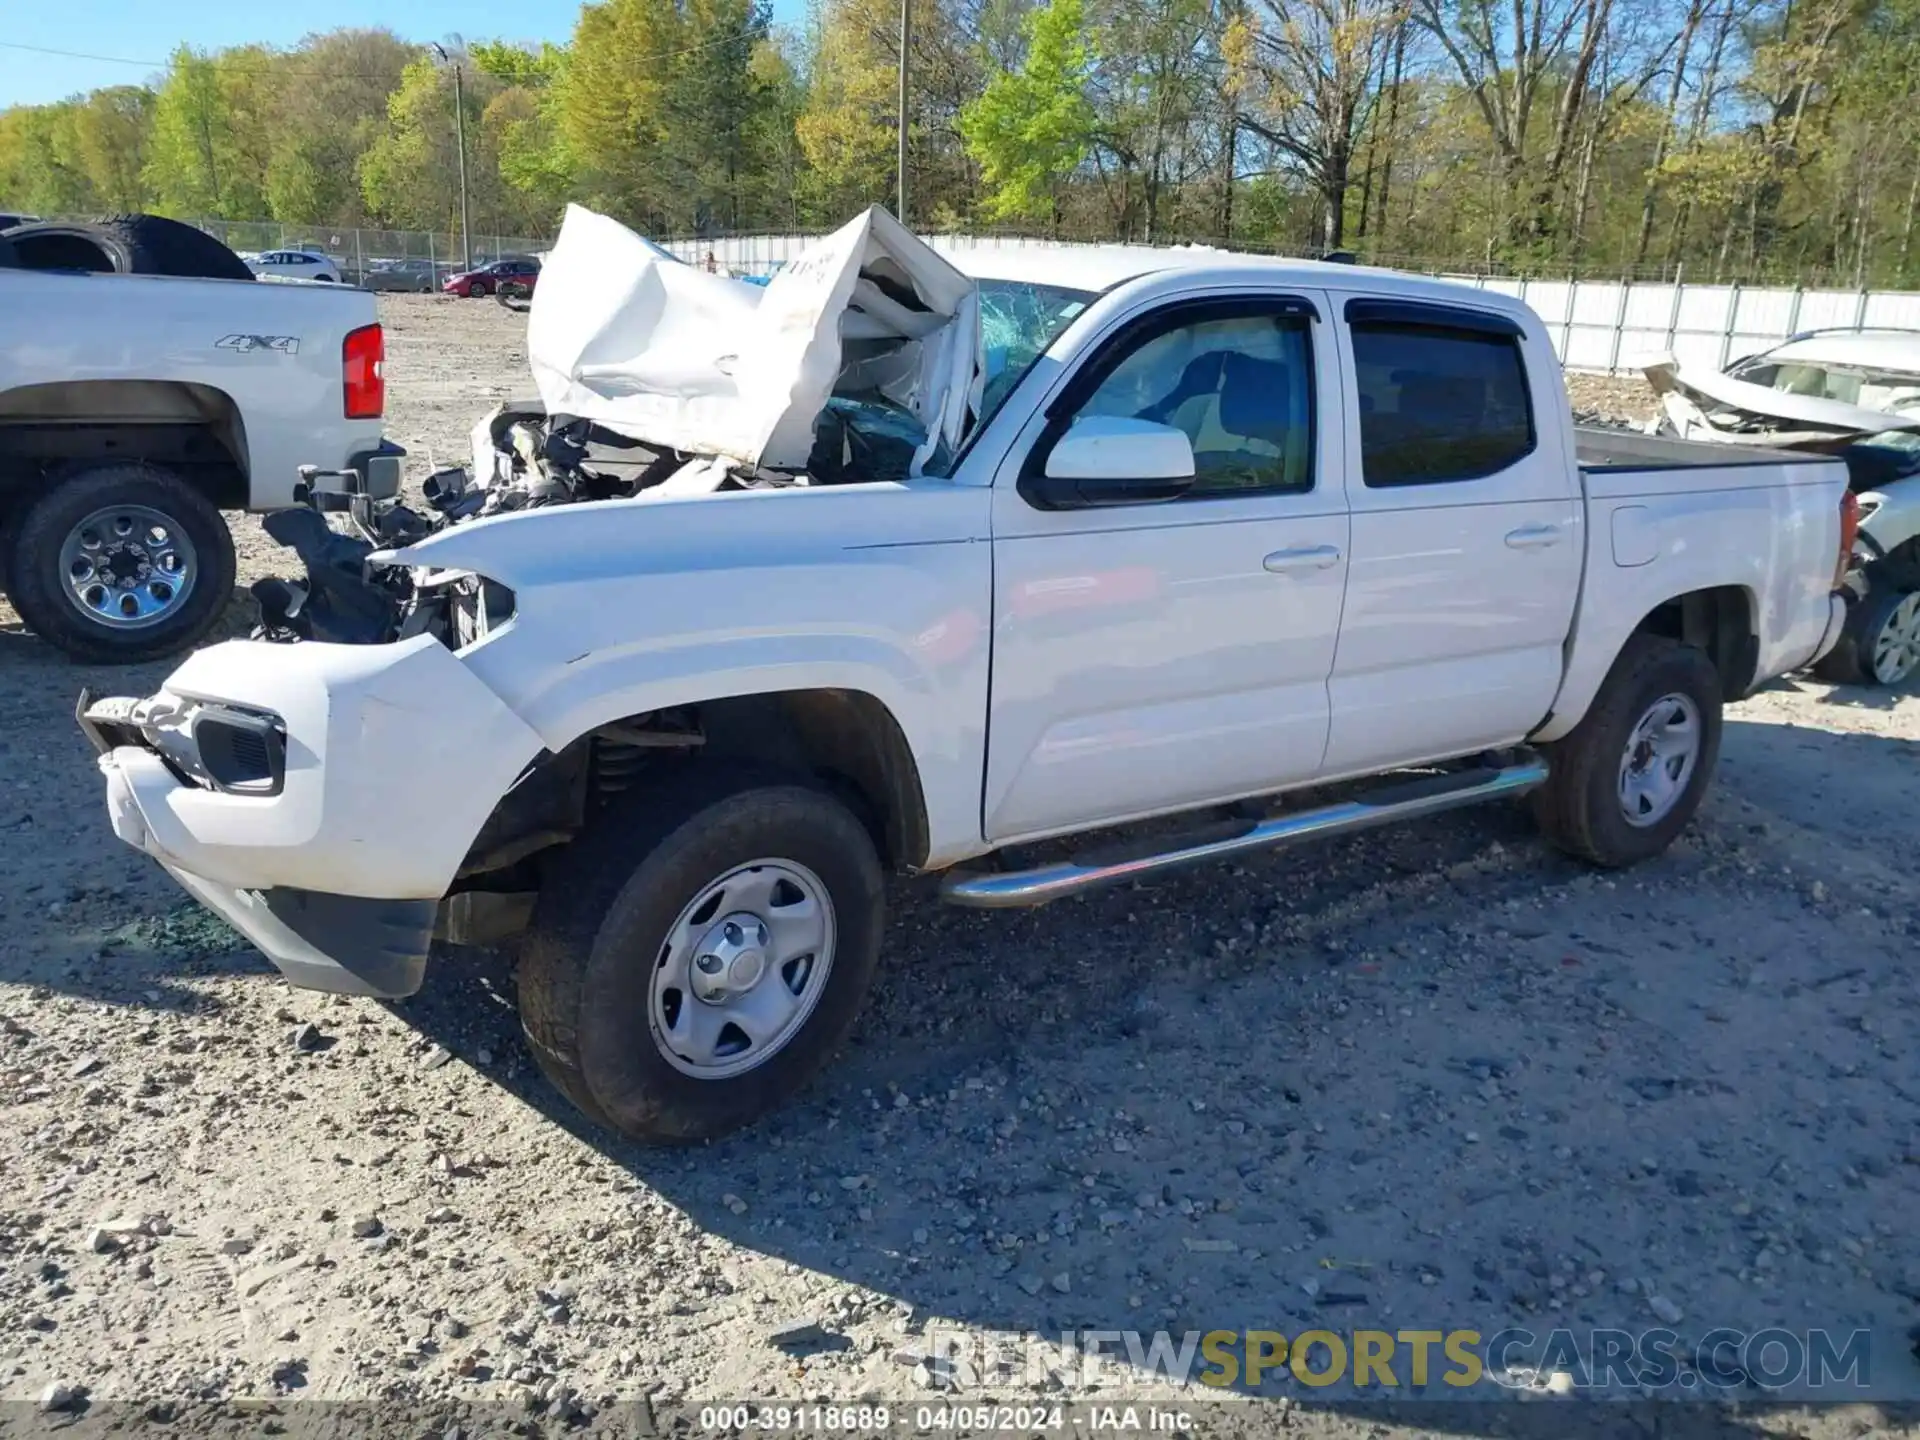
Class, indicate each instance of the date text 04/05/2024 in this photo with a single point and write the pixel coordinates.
(951, 1418)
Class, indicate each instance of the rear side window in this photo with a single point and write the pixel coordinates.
(1439, 403)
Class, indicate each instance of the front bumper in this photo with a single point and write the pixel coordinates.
(394, 757)
(342, 944)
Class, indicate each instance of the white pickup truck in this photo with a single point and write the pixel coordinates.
(1213, 530)
(135, 408)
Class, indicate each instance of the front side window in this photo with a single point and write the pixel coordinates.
(1239, 386)
(1439, 404)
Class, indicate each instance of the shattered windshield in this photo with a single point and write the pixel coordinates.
(1018, 321)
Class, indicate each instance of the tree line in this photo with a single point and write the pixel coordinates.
(1737, 139)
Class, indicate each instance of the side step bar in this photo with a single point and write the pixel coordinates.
(1428, 795)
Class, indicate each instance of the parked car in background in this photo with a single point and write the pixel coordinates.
(418, 277)
(296, 265)
(514, 276)
(1851, 393)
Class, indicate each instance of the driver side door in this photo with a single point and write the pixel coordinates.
(1152, 657)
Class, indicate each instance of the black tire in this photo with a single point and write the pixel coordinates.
(1865, 622)
(37, 585)
(126, 244)
(160, 246)
(479, 290)
(1579, 807)
(610, 898)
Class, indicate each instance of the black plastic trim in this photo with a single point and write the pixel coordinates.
(242, 754)
(1423, 316)
(381, 943)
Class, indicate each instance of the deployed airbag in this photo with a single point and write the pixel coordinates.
(708, 365)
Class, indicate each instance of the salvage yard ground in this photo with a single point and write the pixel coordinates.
(1434, 1077)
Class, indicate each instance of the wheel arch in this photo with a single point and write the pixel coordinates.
(847, 739)
(189, 427)
(850, 738)
(1720, 619)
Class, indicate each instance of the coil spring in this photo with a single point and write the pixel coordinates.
(615, 765)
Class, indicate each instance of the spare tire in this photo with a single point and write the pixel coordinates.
(125, 244)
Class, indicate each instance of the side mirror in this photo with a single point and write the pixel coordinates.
(1112, 460)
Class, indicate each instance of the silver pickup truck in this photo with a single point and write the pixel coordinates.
(134, 409)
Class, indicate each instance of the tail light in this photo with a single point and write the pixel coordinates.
(1849, 532)
(363, 370)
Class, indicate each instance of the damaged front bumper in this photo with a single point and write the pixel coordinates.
(328, 826)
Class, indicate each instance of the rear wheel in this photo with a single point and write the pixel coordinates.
(121, 563)
(1632, 773)
(697, 954)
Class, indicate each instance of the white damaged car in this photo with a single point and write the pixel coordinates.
(1851, 393)
(912, 562)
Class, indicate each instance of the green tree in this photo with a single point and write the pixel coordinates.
(327, 115)
(612, 105)
(410, 174)
(110, 140)
(1034, 125)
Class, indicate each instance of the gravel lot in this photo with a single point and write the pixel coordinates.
(1435, 1077)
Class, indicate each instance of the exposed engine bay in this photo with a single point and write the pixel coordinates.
(524, 460)
(860, 362)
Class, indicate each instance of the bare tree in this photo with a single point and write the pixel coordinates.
(1662, 144)
(1507, 62)
(1319, 65)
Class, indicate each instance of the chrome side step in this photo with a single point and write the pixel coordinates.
(1408, 801)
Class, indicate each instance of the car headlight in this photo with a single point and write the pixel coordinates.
(228, 748)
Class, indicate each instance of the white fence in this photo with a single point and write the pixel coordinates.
(1610, 325)
(1600, 326)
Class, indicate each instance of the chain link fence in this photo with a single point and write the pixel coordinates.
(360, 252)
(1604, 324)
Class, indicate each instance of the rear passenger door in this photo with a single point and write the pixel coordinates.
(1466, 544)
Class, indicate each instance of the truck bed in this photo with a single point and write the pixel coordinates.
(1623, 464)
(1604, 447)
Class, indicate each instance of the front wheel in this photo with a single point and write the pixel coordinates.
(479, 290)
(1632, 773)
(697, 954)
(121, 563)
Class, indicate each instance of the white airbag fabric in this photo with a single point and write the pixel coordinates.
(709, 365)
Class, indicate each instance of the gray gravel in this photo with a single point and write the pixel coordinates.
(1437, 1077)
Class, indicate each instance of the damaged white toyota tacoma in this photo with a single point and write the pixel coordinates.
(900, 565)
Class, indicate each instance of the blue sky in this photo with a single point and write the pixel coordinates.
(148, 30)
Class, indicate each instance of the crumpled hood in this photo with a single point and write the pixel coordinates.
(705, 364)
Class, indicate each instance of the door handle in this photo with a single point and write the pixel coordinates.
(1533, 537)
(1304, 557)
